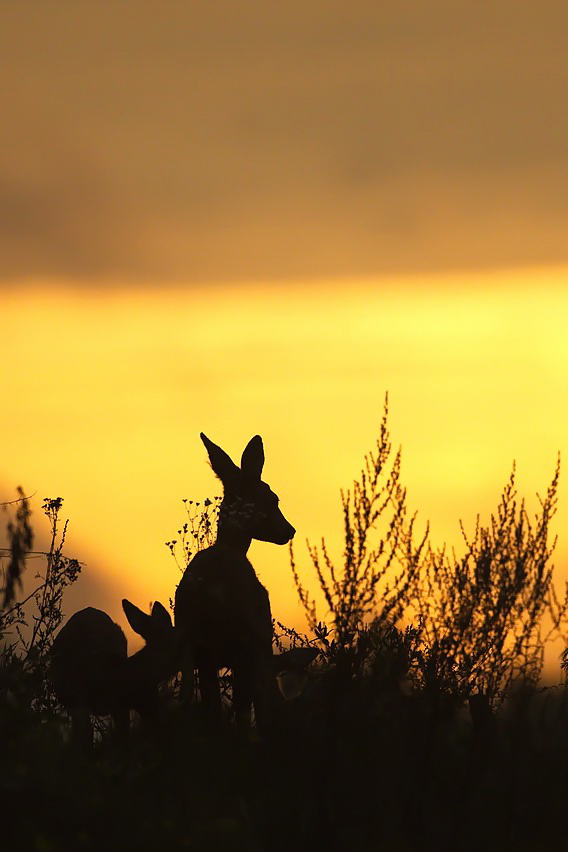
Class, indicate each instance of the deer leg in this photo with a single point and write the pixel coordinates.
(187, 684)
(121, 723)
(81, 730)
(209, 687)
(243, 690)
(266, 697)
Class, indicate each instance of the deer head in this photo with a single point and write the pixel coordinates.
(249, 505)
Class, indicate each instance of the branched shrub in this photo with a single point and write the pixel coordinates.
(475, 622)
(286, 637)
(368, 592)
(27, 634)
(481, 614)
(197, 532)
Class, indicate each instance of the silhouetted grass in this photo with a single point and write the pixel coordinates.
(347, 770)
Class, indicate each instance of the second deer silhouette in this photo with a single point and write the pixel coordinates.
(220, 604)
(92, 674)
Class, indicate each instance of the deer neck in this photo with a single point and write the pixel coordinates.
(139, 665)
(230, 536)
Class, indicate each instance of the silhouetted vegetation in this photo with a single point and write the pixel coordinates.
(20, 540)
(368, 594)
(482, 615)
(197, 532)
(29, 625)
(423, 723)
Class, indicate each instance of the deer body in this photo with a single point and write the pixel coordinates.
(220, 604)
(92, 674)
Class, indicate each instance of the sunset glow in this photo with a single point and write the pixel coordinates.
(110, 392)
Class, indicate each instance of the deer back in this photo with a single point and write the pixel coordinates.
(88, 665)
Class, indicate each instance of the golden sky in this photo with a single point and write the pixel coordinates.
(240, 218)
(108, 395)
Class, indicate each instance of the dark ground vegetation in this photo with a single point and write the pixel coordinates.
(423, 724)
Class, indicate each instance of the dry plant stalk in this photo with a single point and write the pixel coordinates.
(23, 658)
(481, 614)
(374, 579)
(198, 532)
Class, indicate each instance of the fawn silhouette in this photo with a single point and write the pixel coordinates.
(221, 605)
(92, 674)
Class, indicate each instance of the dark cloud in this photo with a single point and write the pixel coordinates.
(202, 142)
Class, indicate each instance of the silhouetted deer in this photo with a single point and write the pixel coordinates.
(221, 605)
(92, 674)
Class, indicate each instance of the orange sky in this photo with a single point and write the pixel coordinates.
(239, 140)
(110, 394)
(246, 218)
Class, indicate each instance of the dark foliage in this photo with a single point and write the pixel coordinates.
(482, 614)
(28, 626)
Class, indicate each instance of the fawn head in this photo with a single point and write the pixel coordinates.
(161, 654)
(248, 503)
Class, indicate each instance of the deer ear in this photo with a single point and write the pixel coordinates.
(252, 460)
(222, 464)
(160, 615)
(140, 621)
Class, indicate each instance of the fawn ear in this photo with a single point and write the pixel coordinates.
(160, 615)
(140, 621)
(252, 460)
(222, 464)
